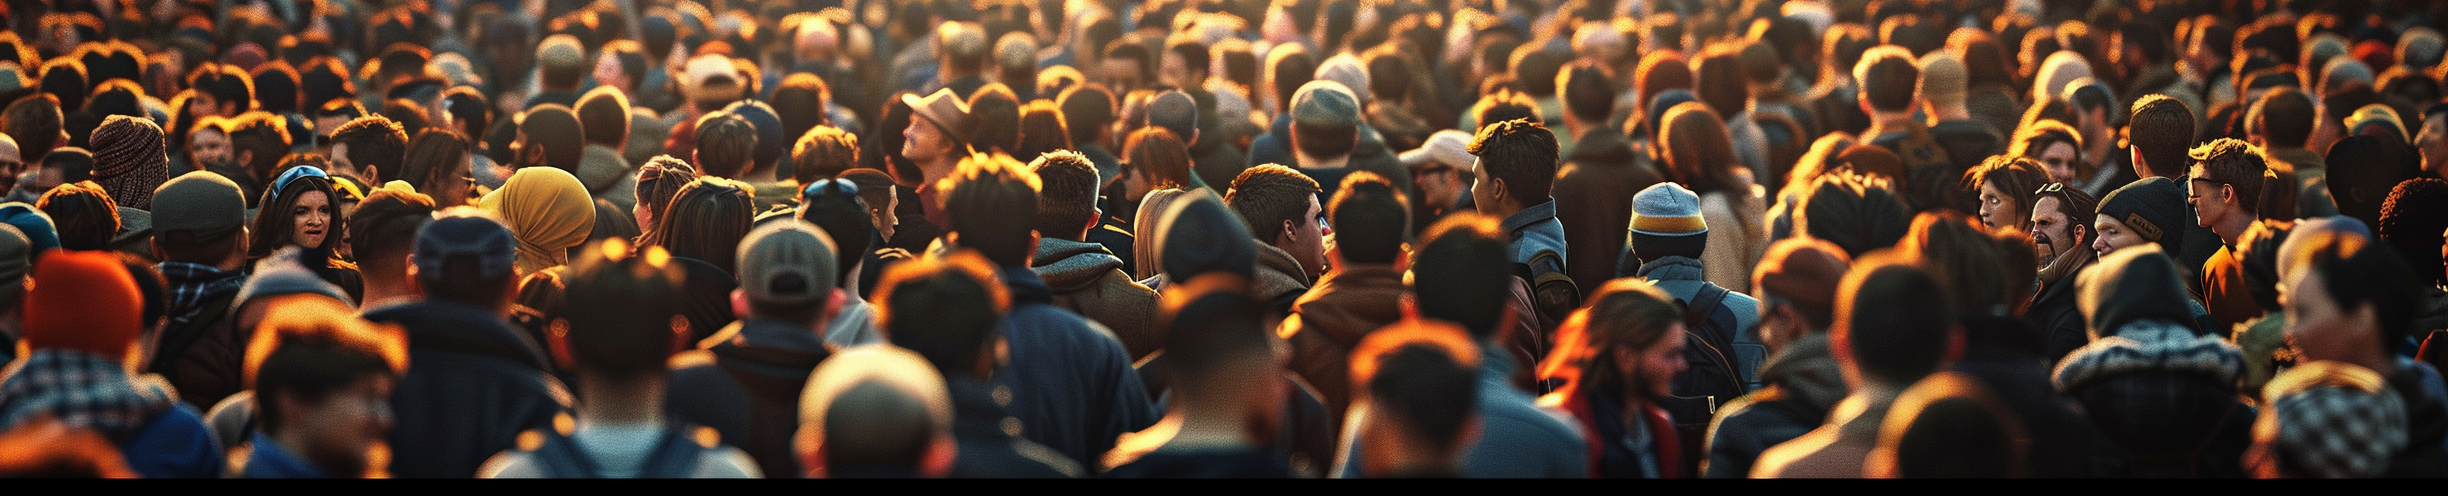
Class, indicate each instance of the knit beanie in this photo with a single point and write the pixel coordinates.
(1203, 236)
(129, 160)
(35, 224)
(16, 255)
(1667, 209)
(85, 301)
(1803, 270)
(2132, 284)
(2153, 208)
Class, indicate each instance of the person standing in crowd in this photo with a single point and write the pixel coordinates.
(1086, 279)
(744, 380)
(473, 382)
(1281, 208)
(1888, 335)
(1800, 382)
(201, 239)
(81, 330)
(324, 378)
(1417, 376)
(302, 210)
(959, 302)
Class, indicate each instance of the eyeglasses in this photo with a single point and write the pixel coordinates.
(2051, 189)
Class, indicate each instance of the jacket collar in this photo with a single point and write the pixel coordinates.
(1545, 211)
(1672, 268)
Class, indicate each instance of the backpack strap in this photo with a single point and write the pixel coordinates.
(1703, 305)
(1551, 288)
(555, 454)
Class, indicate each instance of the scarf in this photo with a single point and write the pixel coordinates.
(549, 212)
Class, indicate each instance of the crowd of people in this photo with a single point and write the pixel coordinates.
(1223, 238)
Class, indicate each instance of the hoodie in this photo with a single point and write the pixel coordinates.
(2134, 284)
(1803, 380)
(1280, 279)
(1089, 281)
(744, 382)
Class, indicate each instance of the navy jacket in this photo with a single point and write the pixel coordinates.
(1072, 385)
(473, 384)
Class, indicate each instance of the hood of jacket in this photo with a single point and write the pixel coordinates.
(1068, 265)
(457, 327)
(1278, 273)
(1808, 370)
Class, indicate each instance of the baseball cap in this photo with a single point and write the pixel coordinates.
(787, 263)
(465, 231)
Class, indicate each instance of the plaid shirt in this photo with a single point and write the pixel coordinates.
(82, 389)
(193, 284)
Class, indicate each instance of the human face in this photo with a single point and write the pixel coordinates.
(2051, 230)
(2208, 198)
(1652, 370)
(2317, 328)
(2113, 236)
(1134, 184)
(204, 105)
(343, 428)
(1483, 191)
(208, 148)
(1174, 71)
(886, 221)
(2433, 141)
(1122, 75)
(1440, 186)
(310, 220)
(2059, 158)
(1997, 208)
(1308, 242)
(922, 142)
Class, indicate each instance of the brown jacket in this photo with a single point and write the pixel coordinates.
(1329, 321)
(1280, 279)
(1593, 195)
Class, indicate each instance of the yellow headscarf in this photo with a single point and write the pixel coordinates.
(548, 210)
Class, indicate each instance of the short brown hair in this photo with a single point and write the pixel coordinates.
(1268, 196)
(2285, 117)
(2161, 130)
(1374, 218)
(1160, 155)
(1522, 154)
(1888, 78)
(603, 116)
(1067, 194)
(943, 307)
(2234, 163)
(992, 200)
(726, 145)
(823, 153)
(87, 217)
(375, 141)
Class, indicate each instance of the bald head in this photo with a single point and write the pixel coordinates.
(874, 411)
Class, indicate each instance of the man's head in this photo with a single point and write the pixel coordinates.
(322, 380)
(787, 272)
(2433, 140)
(945, 308)
(1184, 64)
(961, 48)
(1894, 323)
(1588, 94)
(2224, 185)
(992, 200)
(258, 141)
(1796, 285)
(604, 114)
(1127, 65)
(1223, 359)
(83, 211)
(1088, 110)
(1376, 220)
(1325, 120)
(465, 255)
(1281, 208)
(383, 230)
(1889, 80)
(1630, 330)
(1419, 380)
(1174, 111)
(1516, 168)
(726, 145)
(1066, 201)
(199, 218)
(939, 131)
(875, 410)
(1854, 212)
(823, 153)
(841, 209)
(2160, 132)
(368, 148)
(2058, 221)
(1666, 222)
(87, 303)
(2284, 118)
(996, 112)
(639, 324)
(1459, 273)
(2148, 211)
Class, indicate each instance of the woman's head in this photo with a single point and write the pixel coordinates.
(2008, 184)
(1158, 159)
(437, 165)
(1631, 334)
(1698, 152)
(2057, 147)
(705, 221)
(301, 208)
(657, 181)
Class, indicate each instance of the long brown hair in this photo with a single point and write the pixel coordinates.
(716, 213)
